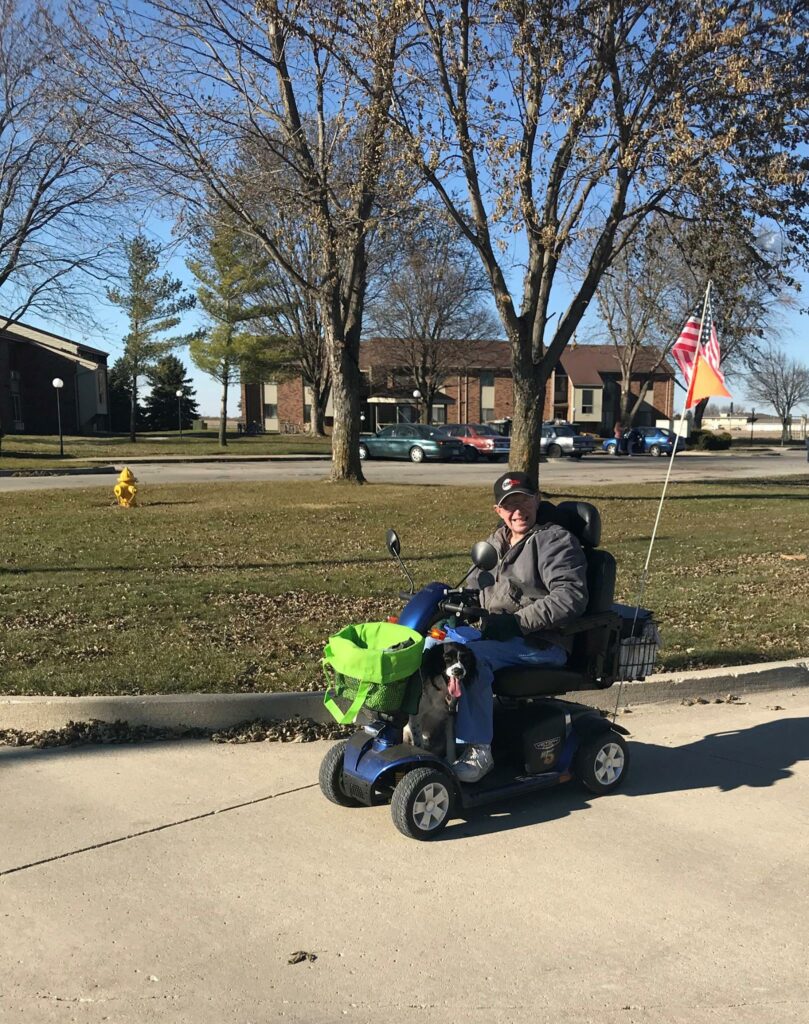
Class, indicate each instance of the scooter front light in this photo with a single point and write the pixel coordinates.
(437, 634)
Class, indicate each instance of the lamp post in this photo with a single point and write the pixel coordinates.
(58, 384)
(417, 396)
(179, 394)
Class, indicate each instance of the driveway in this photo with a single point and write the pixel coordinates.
(590, 471)
(172, 882)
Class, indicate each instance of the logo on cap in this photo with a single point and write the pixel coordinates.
(508, 484)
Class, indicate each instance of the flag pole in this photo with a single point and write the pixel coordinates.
(677, 436)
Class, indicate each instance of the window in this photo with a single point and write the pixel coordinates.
(587, 401)
(307, 413)
(487, 378)
(16, 408)
(439, 414)
(487, 414)
(270, 411)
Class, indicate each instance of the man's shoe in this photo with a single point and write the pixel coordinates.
(474, 763)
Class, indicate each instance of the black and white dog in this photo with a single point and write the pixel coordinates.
(444, 669)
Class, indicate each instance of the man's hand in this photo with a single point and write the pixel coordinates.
(501, 627)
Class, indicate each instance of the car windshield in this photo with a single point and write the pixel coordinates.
(421, 430)
(562, 431)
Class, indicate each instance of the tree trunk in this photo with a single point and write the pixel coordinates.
(526, 425)
(699, 412)
(345, 388)
(317, 417)
(223, 415)
(133, 410)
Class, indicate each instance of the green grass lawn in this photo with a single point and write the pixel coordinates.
(235, 587)
(24, 452)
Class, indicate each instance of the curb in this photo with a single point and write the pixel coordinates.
(224, 710)
(72, 471)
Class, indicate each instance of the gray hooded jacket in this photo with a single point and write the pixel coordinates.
(542, 581)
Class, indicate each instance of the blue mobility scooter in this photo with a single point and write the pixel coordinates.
(539, 740)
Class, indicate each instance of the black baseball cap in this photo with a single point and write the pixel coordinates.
(513, 483)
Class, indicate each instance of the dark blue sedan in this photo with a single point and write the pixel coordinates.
(650, 441)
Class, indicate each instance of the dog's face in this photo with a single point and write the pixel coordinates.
(446, 668)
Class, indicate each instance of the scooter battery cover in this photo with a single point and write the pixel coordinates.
(542, 743)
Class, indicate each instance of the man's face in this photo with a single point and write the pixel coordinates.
(518, 511)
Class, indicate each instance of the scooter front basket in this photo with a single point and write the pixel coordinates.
(373, 665)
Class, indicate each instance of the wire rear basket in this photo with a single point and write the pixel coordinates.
(637, 654)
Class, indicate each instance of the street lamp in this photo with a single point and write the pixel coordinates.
(58, 384)
(417, 396)
(179, 394)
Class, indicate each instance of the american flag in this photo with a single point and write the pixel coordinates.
(686, 346)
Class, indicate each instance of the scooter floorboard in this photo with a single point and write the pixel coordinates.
(501, 784)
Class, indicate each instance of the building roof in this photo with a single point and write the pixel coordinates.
(490, 354)
(585, 364)
(53, 342)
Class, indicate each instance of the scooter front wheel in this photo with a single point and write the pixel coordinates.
(422, 803)
(331, 776)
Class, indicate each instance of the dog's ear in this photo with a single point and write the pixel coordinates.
(433, 660)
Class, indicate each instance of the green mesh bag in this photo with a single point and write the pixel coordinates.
(361, 667)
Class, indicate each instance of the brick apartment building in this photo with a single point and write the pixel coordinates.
(584, 389)
(30, 359)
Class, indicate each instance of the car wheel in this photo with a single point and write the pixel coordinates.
(331, 776)
(602, 762)
(416, 454)
(470, 453)
(577, 455)
(422, 803)
(554, 451)
(656, 450)
(364, 453)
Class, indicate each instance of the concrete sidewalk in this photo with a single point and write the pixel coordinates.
(171, 882)
(223, 710)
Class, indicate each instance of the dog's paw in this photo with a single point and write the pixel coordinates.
(407, 734)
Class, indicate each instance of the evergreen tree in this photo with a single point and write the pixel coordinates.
(232, 286)
(152, 302)
(119, 398)
(164, 411)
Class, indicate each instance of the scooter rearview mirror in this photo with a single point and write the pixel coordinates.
(394, 547)
(484, 555)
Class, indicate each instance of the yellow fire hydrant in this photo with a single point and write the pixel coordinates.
(125, 489)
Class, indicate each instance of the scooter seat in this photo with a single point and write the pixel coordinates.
(540, 682)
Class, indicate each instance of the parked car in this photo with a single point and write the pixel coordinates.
(413, 441)
(481, 441)
(560, 439)
(653, 441)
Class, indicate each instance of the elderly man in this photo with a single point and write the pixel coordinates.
(539, 585)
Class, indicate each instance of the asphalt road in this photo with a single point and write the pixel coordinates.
(592, 470)
(171, 882)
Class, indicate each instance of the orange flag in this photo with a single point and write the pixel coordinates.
(705, 383)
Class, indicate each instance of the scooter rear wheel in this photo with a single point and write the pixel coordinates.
(422, 803)
(602, 762)
(331, 776)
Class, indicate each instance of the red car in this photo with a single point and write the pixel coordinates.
(481, 441)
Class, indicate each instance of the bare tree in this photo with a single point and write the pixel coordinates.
(309, 83)
(432, 299)
(779, 381)
(56, 189)
(570, 124)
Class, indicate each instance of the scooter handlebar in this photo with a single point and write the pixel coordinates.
(468, 611)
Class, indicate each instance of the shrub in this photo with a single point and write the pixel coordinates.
(708, 441)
